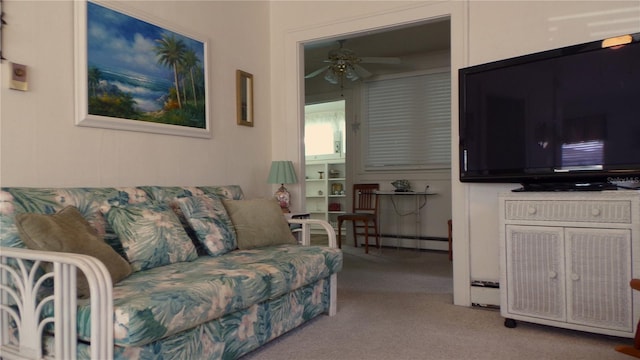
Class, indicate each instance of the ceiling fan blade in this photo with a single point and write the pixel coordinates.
(317, 72)
(380, 60)
(362, 72)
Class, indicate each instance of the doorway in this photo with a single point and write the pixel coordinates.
(406, 51)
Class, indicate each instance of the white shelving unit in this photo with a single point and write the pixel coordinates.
(326, 190)
(567, 259)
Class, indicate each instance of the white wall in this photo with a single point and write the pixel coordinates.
(482, 31)
(500, 30)
(41, 146)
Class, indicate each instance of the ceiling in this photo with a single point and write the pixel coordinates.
(405, 42)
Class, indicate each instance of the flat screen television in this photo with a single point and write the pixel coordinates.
(563, 119)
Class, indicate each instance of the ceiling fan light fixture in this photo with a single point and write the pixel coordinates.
(331, 76)
(343, 64)
(351, 74)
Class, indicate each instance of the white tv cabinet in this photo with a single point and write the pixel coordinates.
(567, 259)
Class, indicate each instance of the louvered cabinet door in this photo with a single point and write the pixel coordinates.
(598, 275)
(535, 271)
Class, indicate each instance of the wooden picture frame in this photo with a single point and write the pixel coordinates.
(1, 25)
(127, 76)
(244, 98)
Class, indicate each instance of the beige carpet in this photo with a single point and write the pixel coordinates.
(397, 304)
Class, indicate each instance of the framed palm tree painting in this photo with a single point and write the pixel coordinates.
(134, 74)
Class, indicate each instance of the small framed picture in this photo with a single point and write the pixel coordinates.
(244, 98)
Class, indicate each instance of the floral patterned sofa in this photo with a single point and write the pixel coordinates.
(198, 280)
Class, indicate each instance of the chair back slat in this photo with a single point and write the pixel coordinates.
(365, 198)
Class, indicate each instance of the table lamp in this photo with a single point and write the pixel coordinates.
(282, 172)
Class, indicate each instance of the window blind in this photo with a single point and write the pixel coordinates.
(408, 122)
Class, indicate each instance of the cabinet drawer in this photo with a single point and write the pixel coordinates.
(599, 211)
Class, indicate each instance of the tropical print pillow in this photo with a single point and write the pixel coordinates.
(211, 223)
(151, 235)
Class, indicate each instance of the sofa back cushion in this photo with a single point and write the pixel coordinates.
(93, 203)
(207, 216)
(18, 200)
(169, 193)
(151, 235)
(231, 192)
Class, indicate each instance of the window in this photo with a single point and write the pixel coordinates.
(582, 155)
(324, 128)
(408, 122)
(583, 142)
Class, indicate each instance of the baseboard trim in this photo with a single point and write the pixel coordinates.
(402, 242)
(414, 237)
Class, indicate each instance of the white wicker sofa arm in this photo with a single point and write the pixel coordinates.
(20, 307)
(306, 230)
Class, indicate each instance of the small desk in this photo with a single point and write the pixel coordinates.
(420, 201)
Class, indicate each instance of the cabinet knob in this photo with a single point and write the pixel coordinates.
(575, 277)
(595, 212)
(553, 274)
(531, 210)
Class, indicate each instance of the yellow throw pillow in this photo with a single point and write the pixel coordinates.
(69, 231)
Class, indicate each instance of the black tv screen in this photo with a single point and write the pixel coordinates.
(563, 116)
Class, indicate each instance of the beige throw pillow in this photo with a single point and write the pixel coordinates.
(69, 231)
(258, 223)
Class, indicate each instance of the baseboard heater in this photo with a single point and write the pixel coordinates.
(414, 237)
(485, 306)
(485, 283)
(483, 295)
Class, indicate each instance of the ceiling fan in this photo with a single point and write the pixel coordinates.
(345, 64)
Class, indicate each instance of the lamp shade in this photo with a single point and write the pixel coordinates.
(282, 172)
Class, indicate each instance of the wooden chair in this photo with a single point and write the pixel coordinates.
(364, 214)
(635, 349)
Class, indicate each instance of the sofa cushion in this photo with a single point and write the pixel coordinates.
(232, 192)
(153, 304)
(258, 223)
(18, 200)
(151, 235)
(92, 203)
(168, 193)
(234, 335)
(288, 267)
(131, 195)
(208, 218)
(68, 231)
(171, 193)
